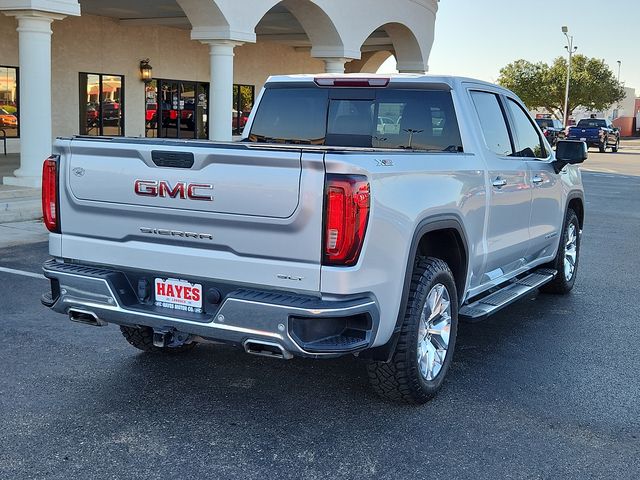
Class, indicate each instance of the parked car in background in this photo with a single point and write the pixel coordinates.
(552, 129)
(7, 119)
(110, 112)
(596, 132)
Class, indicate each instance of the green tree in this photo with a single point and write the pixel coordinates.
(539, 85)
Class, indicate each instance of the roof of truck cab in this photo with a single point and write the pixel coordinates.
(417, 78)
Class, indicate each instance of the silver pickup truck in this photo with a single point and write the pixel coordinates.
(362, 216)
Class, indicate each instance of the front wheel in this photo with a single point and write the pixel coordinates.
(566, 261)
(427, 338)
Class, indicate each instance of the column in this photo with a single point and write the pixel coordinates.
(335, 64)
(221, 89)
(34, 44)
(412, 67)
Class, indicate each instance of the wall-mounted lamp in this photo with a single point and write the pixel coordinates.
(146, 70)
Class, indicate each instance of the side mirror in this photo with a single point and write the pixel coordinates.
(569, 152)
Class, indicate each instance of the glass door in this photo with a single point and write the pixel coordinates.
(176, 109)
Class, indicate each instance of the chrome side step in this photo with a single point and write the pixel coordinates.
(512, 291)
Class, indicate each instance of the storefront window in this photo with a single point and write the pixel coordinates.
(176, 109)
(9, 102)
(243, 98)
(101, 104)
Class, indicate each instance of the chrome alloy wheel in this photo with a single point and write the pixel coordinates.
(570, 252)
(433, 332)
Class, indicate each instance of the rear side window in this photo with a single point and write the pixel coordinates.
(492, 122)
(592, 123)
(416, 119)
(380, 118)
(526, 138)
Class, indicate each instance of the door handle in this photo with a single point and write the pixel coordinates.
(499, 182)
(537, 179)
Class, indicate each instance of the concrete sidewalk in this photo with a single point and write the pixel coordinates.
(17, 203)
(19, 233)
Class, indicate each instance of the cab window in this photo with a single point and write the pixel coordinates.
(526, 139)
(492, 123)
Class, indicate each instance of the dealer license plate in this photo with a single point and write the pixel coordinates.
(583, 139)
(178, 295)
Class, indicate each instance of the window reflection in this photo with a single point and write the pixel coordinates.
(101, 104)
(176, 109)
(243, 98)
(9, 101)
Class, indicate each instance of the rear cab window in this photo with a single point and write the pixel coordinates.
(383, 118)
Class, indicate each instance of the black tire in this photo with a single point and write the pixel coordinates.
(615, 148)
(142, 339)
(561, 284)
(602, 147)
(400, 379)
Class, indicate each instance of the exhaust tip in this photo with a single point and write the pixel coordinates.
(85, 316)
(266, 349)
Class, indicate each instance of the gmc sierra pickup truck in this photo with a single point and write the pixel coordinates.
(321, 233)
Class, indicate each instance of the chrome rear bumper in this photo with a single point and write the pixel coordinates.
(294, 322)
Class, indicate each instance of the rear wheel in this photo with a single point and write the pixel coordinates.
(603, 146)
(566, 261)
(615, 148)
(423, 354)
(142, 338)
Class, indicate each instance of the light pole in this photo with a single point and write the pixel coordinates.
(619, 65)
(571, 49)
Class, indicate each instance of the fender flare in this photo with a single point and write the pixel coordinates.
(429, 224)
(573, 195)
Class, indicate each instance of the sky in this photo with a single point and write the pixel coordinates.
(475, 38)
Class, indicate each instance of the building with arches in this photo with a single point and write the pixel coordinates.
(180, 68)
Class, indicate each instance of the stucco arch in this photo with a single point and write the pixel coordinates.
(209, 22)
(407, 48)
(370, 62)
(326, 40)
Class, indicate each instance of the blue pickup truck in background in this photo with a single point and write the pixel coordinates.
(596, 132)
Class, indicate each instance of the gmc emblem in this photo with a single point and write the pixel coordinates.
(182, 190)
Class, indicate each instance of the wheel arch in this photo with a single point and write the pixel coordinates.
(575, 201)
(430, 238)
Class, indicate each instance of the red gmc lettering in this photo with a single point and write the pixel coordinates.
(164, 189)
(148, 188)
(194, 196)
(182, 190)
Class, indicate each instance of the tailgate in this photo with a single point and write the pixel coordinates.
(227, 180)
(221, 211)
(584, 132)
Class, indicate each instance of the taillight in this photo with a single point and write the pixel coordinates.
(347, 200)
(50, 211)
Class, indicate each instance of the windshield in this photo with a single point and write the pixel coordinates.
(360, 117)
(592, 123)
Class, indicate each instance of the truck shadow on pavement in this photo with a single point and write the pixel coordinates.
(214, 378)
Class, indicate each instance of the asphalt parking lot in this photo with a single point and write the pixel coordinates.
(548, 388)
